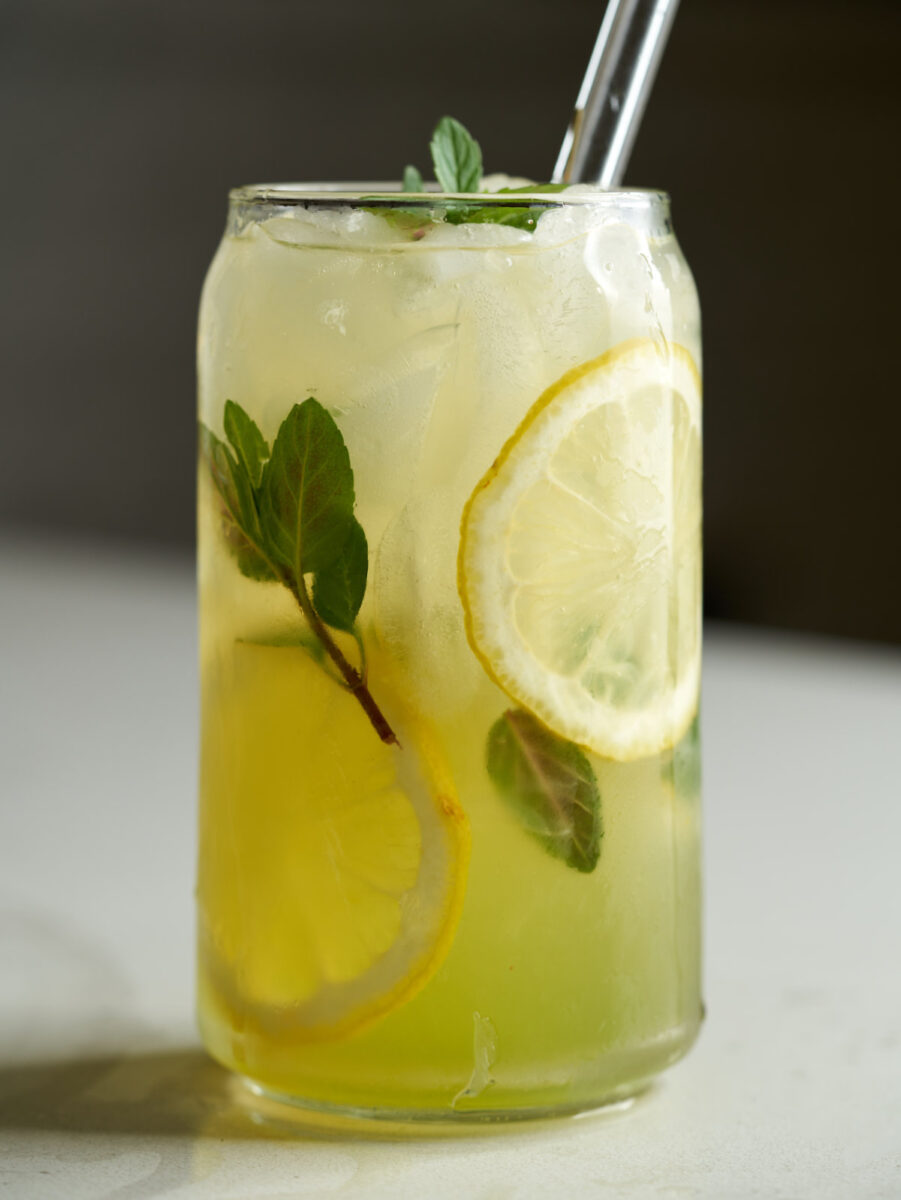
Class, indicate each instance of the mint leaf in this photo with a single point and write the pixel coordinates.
(412, 180)
(683, 767)
(496, 214)
(456, 156)
(338, 589)
(520, 216)
(307, 491)
(550, 784)
(249, 444)
(240, 518)
(410, 221)
(530, 188)
(301, 513)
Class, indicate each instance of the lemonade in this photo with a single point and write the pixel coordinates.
(449, 507)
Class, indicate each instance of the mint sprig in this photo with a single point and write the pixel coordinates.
(550, 785)
(457, 162)
(288, 514)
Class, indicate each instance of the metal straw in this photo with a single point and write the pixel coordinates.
(615, 91)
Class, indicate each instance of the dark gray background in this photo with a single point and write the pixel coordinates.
(774, 125)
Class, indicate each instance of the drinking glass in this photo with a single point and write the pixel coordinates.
(449, 570)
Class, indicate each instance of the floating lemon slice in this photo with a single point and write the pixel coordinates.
(334, 866)
(580, 555)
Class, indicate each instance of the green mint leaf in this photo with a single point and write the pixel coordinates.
(240, 519)
(338, 589)
(307, 491)
(682, 769)
(456, 156)
(520, 216)
(529, 188)
(410, 222)
(249, 560)
(412, 180)
(550, 784)
(495, 214)
(249, 444)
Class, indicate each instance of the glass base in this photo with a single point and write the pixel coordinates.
(273, 1108)
(379, 1104)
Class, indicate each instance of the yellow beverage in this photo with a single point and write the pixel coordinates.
(449, 855)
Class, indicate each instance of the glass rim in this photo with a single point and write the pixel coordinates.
(387, 195)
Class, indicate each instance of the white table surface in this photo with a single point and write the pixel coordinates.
(794, 1089)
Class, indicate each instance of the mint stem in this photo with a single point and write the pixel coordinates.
(350, 674)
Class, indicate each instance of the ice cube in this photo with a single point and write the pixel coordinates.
(418, 617)
(384, 405)
(330, 227)
(622, 262)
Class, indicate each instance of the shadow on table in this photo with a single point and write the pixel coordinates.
(183, 1093)
(174, 1092)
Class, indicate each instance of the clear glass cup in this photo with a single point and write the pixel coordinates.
(449, 565)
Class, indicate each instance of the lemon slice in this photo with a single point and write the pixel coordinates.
(334, 866)
(580, 562)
